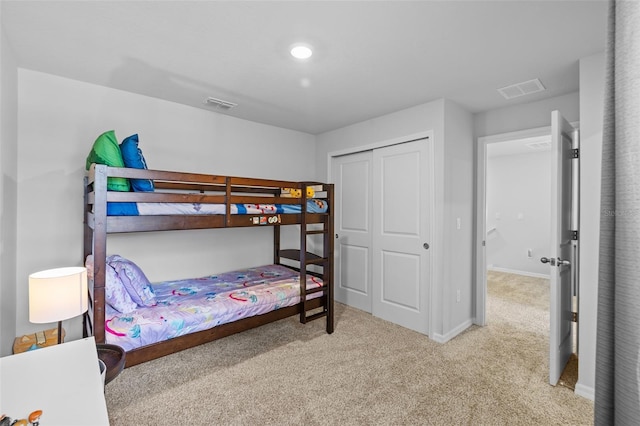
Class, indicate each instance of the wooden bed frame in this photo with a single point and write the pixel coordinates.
(201, 188)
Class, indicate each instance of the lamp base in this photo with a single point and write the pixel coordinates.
(28, 341)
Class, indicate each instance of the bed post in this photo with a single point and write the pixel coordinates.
(86, 250)
(276, 244)
(329, 255)
(99, 251)
(303, 254)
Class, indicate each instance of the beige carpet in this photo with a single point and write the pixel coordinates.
(368, 372)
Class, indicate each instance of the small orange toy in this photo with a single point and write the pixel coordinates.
(34, 417)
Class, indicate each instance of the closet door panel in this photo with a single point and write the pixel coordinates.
(400, 231)
(401, 292)
(352, 178)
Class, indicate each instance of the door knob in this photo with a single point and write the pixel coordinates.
(563, 262)
(426, 246)
(551, 261)
(337, 236)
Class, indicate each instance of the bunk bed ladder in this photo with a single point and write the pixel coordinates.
(306, 259)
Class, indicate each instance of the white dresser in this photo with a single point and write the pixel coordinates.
(62, 380)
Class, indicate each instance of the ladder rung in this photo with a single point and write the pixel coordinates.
(316, 316)
(315, 290)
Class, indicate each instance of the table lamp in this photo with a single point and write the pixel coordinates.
(57, 295)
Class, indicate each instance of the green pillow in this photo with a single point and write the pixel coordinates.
(106, 151)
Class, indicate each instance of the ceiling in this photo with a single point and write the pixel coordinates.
(370, 58)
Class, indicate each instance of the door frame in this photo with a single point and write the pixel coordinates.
(434, 258)
(480, 317)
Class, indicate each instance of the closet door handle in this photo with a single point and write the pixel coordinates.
(426, 246)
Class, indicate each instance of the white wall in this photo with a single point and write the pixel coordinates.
(8, 192)
(453, 174)
(457, 201)
(518, 206)
(58, 121)
(592, 81)
(526, 116)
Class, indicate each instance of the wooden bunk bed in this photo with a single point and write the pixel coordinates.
(176, 187)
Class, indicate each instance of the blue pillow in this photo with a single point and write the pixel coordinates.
(133, 158)
(122, 209)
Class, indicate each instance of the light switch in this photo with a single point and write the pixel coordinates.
(458, 222)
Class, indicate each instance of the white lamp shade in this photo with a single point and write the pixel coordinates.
(57, 294)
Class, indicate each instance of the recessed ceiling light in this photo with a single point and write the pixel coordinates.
(301, 51)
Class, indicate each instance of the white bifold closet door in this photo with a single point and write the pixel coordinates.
(383, 232)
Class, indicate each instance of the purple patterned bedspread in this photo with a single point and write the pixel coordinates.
(190, 305)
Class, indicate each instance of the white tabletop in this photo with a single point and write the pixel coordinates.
(62, 380)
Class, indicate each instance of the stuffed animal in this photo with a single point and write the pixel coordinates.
(291, 192)
(297, 193)
(310, 192)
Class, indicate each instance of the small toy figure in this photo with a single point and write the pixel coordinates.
(297, 193)
(34, 417)
(310, 192)
(292, 192)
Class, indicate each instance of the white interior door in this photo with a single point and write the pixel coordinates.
(563, 259)
(352, 177)
(401, 234)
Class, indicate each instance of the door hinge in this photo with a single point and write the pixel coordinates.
(575, 235)
(575, 152)
(574, 317)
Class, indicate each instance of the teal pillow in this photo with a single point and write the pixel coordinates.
(133, 158)
(106, 151)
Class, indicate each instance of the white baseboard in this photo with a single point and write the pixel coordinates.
(517, 272)
(444, 338)
(585, 391)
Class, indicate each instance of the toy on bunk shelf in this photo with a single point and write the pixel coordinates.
(297, 193)
(34, 419)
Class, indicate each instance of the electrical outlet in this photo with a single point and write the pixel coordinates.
(458, 296)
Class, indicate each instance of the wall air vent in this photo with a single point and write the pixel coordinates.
(540, 146)
(521, 89)
(220, 104)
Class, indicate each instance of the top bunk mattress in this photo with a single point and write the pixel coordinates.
(314, 205)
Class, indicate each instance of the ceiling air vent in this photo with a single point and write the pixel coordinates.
(521, 89)
(220, 104)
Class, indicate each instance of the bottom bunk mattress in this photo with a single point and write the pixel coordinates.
(186, 306)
